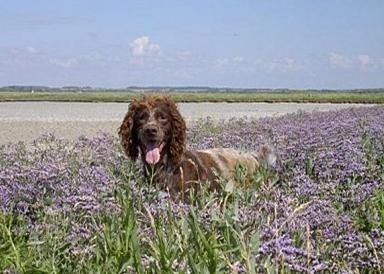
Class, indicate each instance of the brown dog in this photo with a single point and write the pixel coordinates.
(154, 128)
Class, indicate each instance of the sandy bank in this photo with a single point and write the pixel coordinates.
(25, 121)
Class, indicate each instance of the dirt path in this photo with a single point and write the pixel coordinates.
(25, 121)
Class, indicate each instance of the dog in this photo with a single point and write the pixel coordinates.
(154, 129)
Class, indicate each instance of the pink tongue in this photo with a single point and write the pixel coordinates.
(152, 156)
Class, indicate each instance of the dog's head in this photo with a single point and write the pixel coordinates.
(153, 126)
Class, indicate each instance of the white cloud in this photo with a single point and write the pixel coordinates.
(31, 49)
(367, 63)
(92, 56)
(339, 61)
(286, 64)
(69, 62)
(362, 61)
(183, 55)
(142, 46)
(220, 63)
(290, 64)
(238, 59)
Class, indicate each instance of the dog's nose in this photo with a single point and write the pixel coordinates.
(151, 131)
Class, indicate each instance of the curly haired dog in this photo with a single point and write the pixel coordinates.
(155, 129)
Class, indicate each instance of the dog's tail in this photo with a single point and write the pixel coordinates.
(266, 156)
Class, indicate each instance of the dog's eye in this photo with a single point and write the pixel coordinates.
(161, 117)
(143, 117)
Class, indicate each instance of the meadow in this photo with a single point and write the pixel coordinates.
(82, 207)
(364, 96)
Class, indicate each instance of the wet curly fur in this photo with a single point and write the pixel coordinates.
(154, 129)
(129, 135)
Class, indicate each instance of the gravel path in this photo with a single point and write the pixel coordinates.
(25, 121)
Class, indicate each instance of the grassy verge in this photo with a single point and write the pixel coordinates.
(270, 97)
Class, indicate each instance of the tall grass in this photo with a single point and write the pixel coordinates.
(270, 97)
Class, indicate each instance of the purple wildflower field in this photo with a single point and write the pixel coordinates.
(320, 209)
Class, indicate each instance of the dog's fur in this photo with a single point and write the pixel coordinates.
(154, 129)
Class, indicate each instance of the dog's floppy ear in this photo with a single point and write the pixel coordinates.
(179, 128)
(128, 132)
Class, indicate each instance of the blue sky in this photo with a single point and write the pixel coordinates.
(221, 43)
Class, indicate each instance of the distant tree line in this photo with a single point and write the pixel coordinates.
(165, 89)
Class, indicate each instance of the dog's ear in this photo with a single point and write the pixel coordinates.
(128, 132)
(179, 135)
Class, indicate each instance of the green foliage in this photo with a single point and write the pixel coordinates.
(369, 96)
(117, 244)
(370, 214)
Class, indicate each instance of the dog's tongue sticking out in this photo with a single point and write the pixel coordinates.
(152, 156)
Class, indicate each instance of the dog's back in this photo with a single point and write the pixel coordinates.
(223, 161)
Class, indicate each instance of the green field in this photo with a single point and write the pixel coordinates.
(271, 97)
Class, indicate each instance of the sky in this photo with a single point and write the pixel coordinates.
(327, 44)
